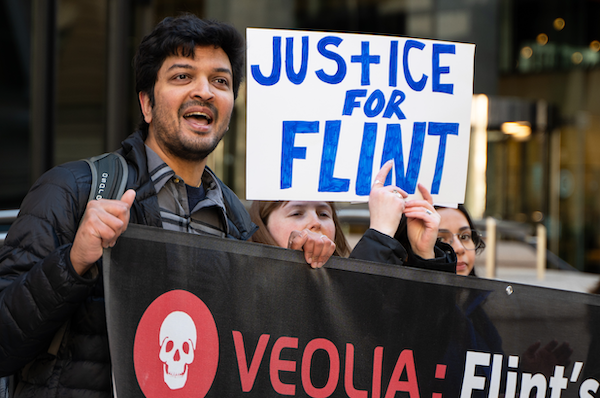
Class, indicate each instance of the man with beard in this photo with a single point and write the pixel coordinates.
(188, 72)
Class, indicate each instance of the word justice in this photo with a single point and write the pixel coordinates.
(403, 378)
(365, 59)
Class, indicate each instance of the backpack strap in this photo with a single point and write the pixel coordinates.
(109, 179)
(109, 176)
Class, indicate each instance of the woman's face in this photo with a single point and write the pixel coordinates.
(297, 216)
(454, 222)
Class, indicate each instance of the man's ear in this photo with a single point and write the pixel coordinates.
(146, 106)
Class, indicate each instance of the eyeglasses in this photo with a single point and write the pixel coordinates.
(468, 239)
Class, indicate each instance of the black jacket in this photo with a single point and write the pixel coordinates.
(381, 248)
(40, 291)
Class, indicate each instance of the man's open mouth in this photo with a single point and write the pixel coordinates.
(199, 117)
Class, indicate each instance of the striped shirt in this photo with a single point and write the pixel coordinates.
(209, 214)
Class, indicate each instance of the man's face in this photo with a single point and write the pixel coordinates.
(193, 103)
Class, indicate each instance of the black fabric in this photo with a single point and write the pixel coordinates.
(378, 247)
(439, 320)
(40, 291)
(195, 195)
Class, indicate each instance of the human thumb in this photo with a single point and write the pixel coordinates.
(128, 197)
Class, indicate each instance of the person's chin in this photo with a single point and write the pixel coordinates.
(462, 269)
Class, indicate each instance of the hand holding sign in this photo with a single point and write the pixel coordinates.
(317, 247)
(543, 359)
(386, 203)
(423, 223)
(103, 222)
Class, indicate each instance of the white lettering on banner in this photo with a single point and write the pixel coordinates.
(530, 382)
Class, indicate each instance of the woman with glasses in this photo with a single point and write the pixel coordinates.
(457, 229)
(474, 331)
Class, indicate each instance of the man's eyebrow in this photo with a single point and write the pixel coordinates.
(224, 70)
(188, 66)
(180, 66)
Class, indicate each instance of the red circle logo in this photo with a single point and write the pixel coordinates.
(176, 347)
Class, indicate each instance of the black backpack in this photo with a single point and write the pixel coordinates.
(109, 176)
(109, 179)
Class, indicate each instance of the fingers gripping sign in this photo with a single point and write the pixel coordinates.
(103, 222)
(422, 223)
(317, 247)
(386, 203)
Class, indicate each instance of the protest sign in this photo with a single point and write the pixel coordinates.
(325, 110)
(201, 316)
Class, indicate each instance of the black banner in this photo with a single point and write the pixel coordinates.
(200, 316)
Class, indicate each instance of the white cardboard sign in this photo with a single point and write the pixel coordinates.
(326, 110)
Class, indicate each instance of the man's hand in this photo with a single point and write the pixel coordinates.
(423, 222)
(317, 248)
(538, 359)
(103, 222)
(386, 203)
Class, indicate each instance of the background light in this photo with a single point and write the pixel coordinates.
(518, 130)
(542, 39)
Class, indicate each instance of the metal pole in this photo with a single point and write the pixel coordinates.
(118, 70)
(490, 256)
(541, 251)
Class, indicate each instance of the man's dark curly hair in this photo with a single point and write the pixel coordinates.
(179, 36)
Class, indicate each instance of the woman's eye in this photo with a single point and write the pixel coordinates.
(465, 237)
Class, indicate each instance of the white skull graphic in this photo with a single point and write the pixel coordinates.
(177, 339)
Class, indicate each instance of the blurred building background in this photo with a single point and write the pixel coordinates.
(66, 93)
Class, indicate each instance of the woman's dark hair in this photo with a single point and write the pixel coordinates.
(402, 232)
(260, 210)
(180, 36)
(479, 243)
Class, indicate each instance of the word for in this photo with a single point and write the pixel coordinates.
(529, 382)
(375, 103)
(392, 149)
(365, 59)
(404, 376)
(102, 185)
